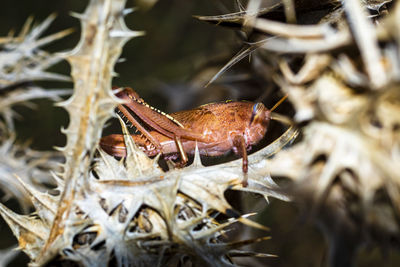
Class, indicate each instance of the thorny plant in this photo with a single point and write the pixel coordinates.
(128, 212)
(346, 97)
(343, 168)
(22, 62)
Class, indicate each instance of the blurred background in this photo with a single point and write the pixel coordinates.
(169, 68)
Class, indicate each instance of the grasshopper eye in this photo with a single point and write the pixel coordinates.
(257, 110)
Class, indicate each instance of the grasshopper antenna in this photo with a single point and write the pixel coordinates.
(279, 102)
(279, 117)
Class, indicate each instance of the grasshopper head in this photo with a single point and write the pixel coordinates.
(258, 125)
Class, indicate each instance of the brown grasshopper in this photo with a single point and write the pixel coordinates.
(217, 128)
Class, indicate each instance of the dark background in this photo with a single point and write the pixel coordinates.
(174, 51)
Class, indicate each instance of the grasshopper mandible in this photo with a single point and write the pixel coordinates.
(217, 128)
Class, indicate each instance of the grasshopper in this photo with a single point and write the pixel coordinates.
(216, 128)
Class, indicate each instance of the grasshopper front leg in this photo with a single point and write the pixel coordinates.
(239, 144)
